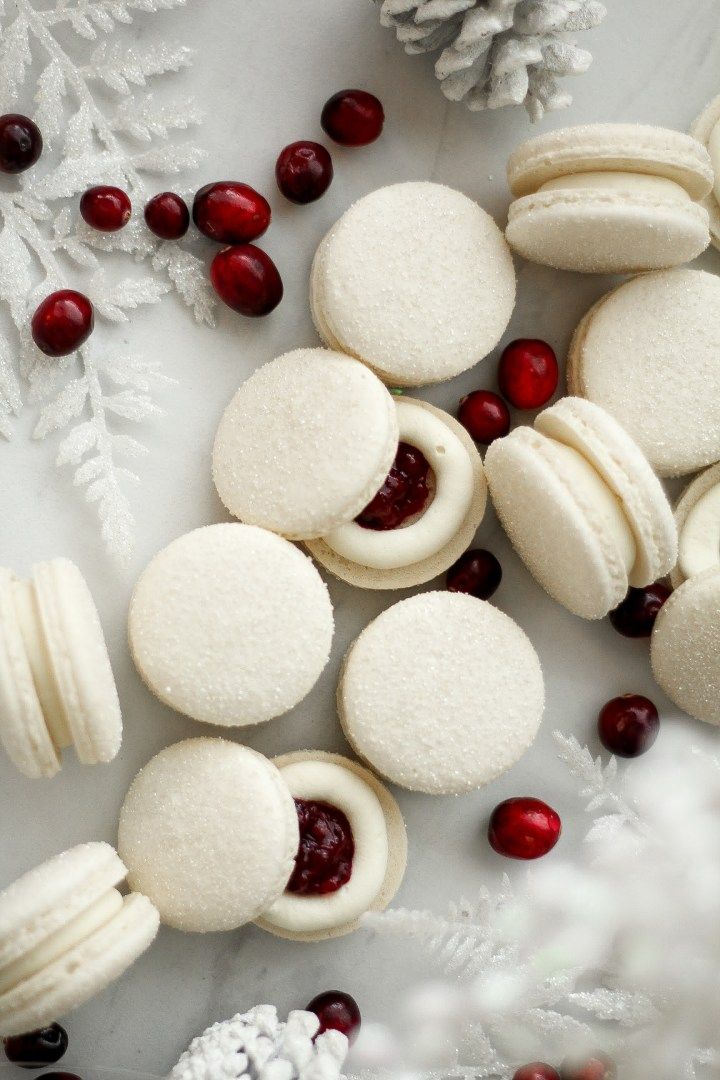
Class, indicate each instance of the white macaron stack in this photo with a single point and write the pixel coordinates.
(65, 934)
(609, 198)
(582, 507)
(416, 280)
(706, 130)
(210, 832)
(308, 442)
(56, 686)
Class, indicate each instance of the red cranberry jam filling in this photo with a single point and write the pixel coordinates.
(403, 495)
(324, 860)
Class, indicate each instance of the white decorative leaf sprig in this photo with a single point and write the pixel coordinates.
(100, 124)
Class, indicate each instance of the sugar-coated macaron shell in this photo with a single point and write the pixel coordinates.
(647, 353)
(231, 625)
(396, 834)
(305, 443)
(416, 280)
(704, 129)
(685, 647)
(404, 577)
(618, 460)
(209, 832)
(441, 693)
(703, 483)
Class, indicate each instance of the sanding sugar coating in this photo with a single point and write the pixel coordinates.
(647, 352)
(441, 693)
(208, 831)
(305, 443)
(416, 280)
(231, 625)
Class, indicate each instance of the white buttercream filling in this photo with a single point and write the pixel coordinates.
(699, 546)
(714, 151)
(79, 929)
(27, 612)
(624, 182)
(439, 522)
(324, 781)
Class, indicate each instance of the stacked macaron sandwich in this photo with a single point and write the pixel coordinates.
(232, 624)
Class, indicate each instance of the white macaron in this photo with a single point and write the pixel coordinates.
(685, 646)
(305, 443)
(376, 866)
(706, 130)
(231, 625)
(441, 693)
(65, 934)
(209, 832)
(56, 685)
(430, 541)
(416, 280)
(647, 353)
(609, 198)
(697, 517)
(582, 507)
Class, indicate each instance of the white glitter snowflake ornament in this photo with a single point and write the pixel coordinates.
(498, 52)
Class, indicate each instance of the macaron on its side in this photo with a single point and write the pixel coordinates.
(305, 443)
(396, 844)
(416, 573)
(616, 458)
(441, 693)
(416, 280)
(563, 522)
(699, 487)
(705, 130)
(209, 833)
(685, 647)
(231, 625)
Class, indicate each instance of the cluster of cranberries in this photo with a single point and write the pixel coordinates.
(594, 1067)
(228, 212)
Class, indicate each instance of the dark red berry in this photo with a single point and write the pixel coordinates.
(167, 216)
(20, 143)
(636, 615)
(528, 373)
(404, 493)
(476, 572)
(247, 280)
(536, 1070)
(38, 1048)
(353, 117)
(336, 1011)
(484, 415)
(628, 725)
(62, 322)
(596, 1067)
(324, 860)
(106, 208)
(59, 1076)
(304, 171)
(524, 828)
(230, 212)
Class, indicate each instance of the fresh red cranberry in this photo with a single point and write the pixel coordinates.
(106, 208)
(60, 1076)
(636, 615)
(324, 860)
(247, 280)
(167, 216)
(628, 725)
(304, 171)
(231, 213)
(37, 1049)
(403, 495)
(353, 118)
(476, 572)
(20, 143)
(537, 1070)
(596, 1067)
(528, 373)
(524, 828)
(336, 1011)
(484, 415)
(62, 322)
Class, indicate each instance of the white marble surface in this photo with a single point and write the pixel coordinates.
(262, 72)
